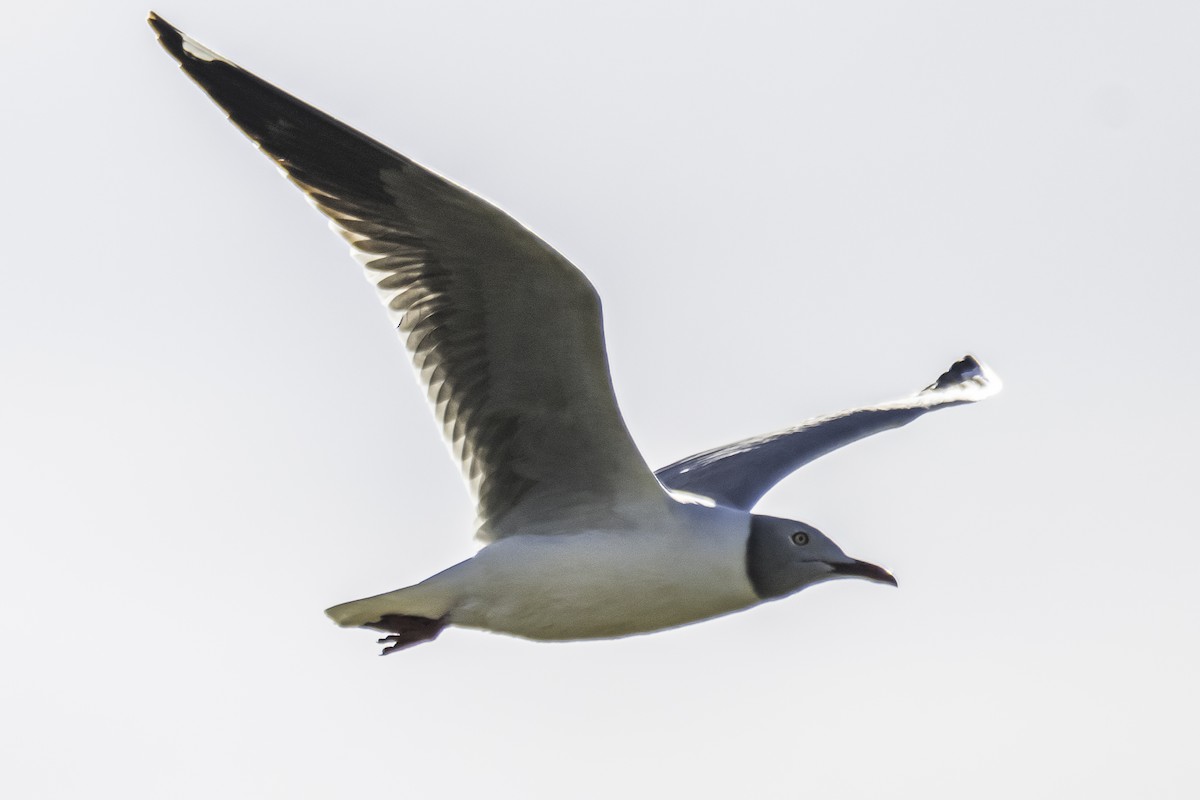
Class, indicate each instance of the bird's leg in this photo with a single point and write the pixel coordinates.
(406, 630)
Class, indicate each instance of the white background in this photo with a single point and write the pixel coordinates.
(208, 433)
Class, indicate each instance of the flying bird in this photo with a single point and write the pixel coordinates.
(582, 539)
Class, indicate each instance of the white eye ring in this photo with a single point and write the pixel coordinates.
(800, 538)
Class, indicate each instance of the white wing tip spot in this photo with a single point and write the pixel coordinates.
(980, 382)
(197, 50)
(988, 380)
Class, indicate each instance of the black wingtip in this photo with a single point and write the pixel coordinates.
(168, 35)
(970, 380)
(317, 151)
(963, 369)
(191, 55)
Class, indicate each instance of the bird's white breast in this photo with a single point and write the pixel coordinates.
(688, 566)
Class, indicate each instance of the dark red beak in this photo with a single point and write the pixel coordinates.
(861, 569)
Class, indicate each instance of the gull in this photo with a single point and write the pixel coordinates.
(581, 539)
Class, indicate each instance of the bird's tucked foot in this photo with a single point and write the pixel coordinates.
(406, 630)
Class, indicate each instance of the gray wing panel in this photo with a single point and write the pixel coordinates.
(739, 474)
(505, 333)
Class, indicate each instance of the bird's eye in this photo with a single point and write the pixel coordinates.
(800, 538)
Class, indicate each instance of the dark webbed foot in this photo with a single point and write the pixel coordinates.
(406, 631)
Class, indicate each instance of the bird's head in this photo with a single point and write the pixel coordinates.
(784, 556)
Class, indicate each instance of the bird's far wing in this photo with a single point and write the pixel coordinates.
(739, 474)
(504, 332)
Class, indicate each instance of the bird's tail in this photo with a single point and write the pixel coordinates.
(357, 613)
(412, 601)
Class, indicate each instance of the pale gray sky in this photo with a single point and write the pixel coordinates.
(209, 433)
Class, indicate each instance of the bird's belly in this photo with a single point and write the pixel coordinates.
(589, 586)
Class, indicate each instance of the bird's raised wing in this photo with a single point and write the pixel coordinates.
(505, 333)
(739, 474)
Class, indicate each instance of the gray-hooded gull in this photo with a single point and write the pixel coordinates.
(583, 540)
